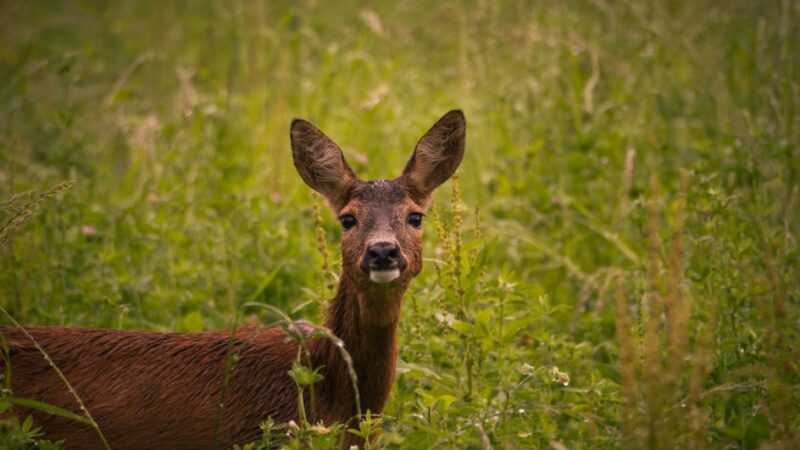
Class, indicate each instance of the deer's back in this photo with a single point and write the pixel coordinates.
(153, 390)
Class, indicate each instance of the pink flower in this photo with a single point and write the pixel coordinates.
(88, 230)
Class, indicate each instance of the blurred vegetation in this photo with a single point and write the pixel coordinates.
(617, 265)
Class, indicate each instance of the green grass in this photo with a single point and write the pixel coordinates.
(627, 213)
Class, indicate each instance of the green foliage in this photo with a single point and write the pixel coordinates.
(616, 265)
(14, 435)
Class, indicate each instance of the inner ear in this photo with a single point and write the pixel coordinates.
(320, 163)
(437, 154)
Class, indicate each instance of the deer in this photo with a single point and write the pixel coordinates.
(162, 390)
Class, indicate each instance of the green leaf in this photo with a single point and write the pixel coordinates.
(50, 409)
(406, 367)
(483, 317)
(463, 327)
(610, 372)
(480, 261)
(192, 322)
(427, 399)
(446, 400)
(304, 376)
(27, 424)
(757, 432)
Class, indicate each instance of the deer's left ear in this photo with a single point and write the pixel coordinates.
(437, 155)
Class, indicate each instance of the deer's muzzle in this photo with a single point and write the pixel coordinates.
(383, 261)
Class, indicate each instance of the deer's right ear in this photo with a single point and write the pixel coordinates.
(321, 163)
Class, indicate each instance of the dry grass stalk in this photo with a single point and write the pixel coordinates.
(25, 212)
(329, 279)
(627, 355)
(665, 375)
(677, 309)
(652, 371)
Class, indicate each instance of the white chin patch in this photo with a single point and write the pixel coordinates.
(384, 276)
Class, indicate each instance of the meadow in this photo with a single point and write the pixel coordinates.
(615, 266)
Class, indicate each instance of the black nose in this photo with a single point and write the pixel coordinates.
(382, 256)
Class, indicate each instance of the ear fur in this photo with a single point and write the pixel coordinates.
(320, 163)
(437, 154)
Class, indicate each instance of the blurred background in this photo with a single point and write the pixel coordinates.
(615, 266)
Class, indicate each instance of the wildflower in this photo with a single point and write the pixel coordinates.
(319, 429)
(527, 369)
(302, 327)
(445, 317)
(88, 230)
(559, 376)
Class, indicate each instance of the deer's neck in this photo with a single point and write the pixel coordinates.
(366, 320)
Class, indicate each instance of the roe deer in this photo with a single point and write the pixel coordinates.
(161, 390)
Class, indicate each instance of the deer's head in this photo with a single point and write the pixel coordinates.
(381, 219)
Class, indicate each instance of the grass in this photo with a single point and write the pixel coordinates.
(616, 266)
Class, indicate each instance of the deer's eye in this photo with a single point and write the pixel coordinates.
(348, 221)
(415, 220)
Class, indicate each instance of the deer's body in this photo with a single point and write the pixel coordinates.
(147, 389)
(162, 390)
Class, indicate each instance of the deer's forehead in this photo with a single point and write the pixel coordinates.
(379, 193)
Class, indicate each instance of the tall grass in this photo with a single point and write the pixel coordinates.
(616, 265)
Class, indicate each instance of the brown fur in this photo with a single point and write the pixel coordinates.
(161, 390)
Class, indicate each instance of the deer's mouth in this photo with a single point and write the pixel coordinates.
(384, 276)
(383, 261)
